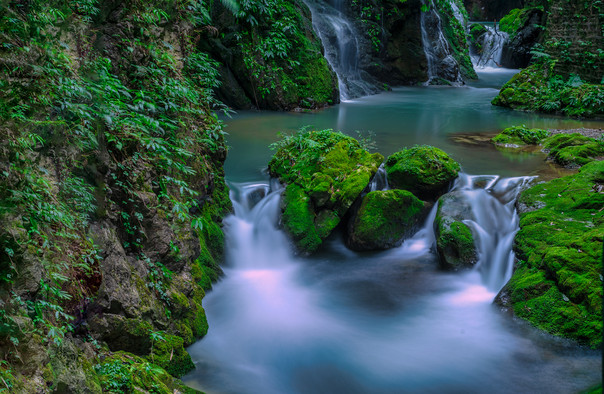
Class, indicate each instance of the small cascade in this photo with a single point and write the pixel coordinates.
(491, 47)
(441, 63)
(494, 224)
(342, 48)
(380, 180)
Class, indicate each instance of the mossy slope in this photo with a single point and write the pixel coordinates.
(325, 172)
(557, 284)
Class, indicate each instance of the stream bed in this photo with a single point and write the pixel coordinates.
(377, 322)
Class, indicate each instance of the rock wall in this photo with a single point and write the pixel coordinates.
(575, 36)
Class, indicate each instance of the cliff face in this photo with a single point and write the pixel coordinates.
(111, 197)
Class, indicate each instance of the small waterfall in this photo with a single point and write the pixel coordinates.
(342, 48)
(380, 180)
(441, 63)
(491, 46)
(495, 223)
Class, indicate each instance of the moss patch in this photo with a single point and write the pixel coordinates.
(169, 353)
(425, 171)
(520, 135)
(557, 285)
(383, 218)
(325, 172)
(573, 149)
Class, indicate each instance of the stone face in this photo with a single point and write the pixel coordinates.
(516, 52)
(557, 282)
(325, 172)
(454, 239)
(384, 218)
(425, 171)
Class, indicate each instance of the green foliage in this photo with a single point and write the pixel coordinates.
(538, 88)
(516, 19)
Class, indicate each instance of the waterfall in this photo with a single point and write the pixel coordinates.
(342, 48)
(441, 63)
(494, 223)
(491, 46)
(380, 180)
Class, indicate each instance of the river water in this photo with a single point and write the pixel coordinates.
(387, 322)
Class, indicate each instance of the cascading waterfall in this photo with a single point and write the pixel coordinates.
(282, 324)
(441, 63)
(380, 180)
(491, 42)
(342, 48)
(494, 223)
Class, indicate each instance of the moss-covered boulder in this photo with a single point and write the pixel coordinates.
(384, 218)
(424, 170)
(325, 172)
(573, 150)
(516, 136)
(454, 239)
(557, 283)
(168, 352)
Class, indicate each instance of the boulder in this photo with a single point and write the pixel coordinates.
(384, 218)
(425, 171)
(454, 239)
(325, 172)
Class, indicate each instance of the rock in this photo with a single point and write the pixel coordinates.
(454, 240)
(71, 372)
(516, 52)
(573, 150)
(519, 136)
(559, 252)
(325, 172)
(384, 218)
(425, 171)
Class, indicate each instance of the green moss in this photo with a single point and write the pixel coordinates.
(539, 88)
(125, 373)
(384, 217)
(520, 135)
(455, 244)
(557, 285)
(573, 149)
(325, 172)
(425, 171)
(515, 20)
(169, 353)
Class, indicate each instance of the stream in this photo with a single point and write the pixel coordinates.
(381, 322)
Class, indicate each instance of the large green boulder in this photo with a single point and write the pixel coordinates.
(557, 283)
(424, 170)
(384, 218)
(517, 136)
(325, 172)
(454, 240)
(573, 150)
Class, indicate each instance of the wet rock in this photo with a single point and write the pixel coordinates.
(425, 171)
(384, 218)
(454, 239)
(517, 51)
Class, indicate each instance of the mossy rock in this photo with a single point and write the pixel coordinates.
(519, 136)
(325, 172)
(424, 170)
(454, 240)
(557, 284)
(573, 150)
(70, 371)
(384, 218)
(122, 372)
(169, 353)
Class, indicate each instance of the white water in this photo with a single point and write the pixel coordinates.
(492, 47)
(342, 49)
(343, 322)
(441, 63)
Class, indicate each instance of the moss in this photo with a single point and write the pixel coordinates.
(383, 218)
(169, 353)
(573, 149)
(516, 19)
(520, 135)
(125, 373)
(425, 171)
(455, 244)
(325, 172)
(557, 285)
